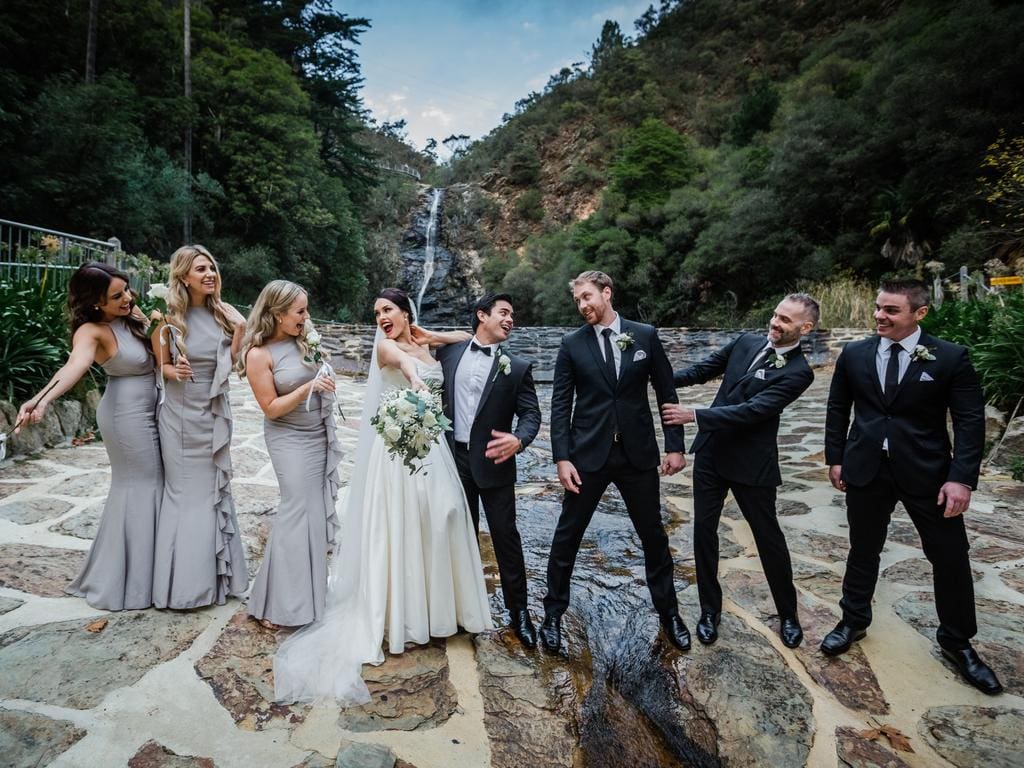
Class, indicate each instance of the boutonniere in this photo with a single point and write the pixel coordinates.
(775, 359)
(504, 364)
(624, 341)
(921, 352)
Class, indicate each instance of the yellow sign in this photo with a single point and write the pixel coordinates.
(1011, 280)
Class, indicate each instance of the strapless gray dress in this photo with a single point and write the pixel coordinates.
(198, 559)
(291, 585)
(118, 574)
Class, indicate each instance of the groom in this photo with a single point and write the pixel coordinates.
(608, 437)
(485, 386)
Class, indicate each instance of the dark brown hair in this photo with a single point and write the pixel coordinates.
(399, 298)
(88, 288)
(916, 291)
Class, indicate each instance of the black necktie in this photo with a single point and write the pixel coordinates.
(760, 358)
(609, 357)
(892, 371)
(477, 348)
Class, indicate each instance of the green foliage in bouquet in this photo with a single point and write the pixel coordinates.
(410, 422)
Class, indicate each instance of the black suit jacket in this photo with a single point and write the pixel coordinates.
(583, 434)
(504, 396)
(741, 427)
(914, 421)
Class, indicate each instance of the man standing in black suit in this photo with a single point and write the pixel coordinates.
(737, 450)
(608, 437)
(485, 387)
(901, 384)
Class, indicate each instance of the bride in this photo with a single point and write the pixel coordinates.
(408, 566)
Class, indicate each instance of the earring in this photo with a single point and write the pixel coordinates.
(97, 309)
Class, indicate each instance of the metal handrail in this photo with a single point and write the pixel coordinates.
(113, 243)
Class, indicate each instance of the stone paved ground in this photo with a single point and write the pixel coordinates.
(81, 687)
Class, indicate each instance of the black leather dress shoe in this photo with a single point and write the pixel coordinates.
(707, 627)
(551, 633)
(523, 627)
(791, 632)
(974, 670)
(840, 639)
(675, 629)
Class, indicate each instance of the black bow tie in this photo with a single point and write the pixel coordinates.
(477, 348)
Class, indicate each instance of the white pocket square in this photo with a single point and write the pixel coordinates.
(925, 377)
(639, 355)
(759, 373)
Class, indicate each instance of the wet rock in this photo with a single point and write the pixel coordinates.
(855, 751)
(9, 489)
(975, 737)
(1000, 638)
(985, 549)
(78, 486)
(8, 604)
(28, 511)
(43, 571)
(821, 582)
(1013, 438)
(83, 525)
(525, 725)
(904, 532)
(26, 470)
(408, 692)
(64, 665)
(29, 740)
(916, 572)
(357, 755)
(239, 668)
(1014, 579)
(1001, 523)
(81, 457)
(154, 755)
(848, 677)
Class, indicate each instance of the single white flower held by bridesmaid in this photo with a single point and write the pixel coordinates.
(410, 422)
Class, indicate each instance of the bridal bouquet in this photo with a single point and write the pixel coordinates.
(410, 422)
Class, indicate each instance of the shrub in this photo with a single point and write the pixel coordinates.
(529, 205)
(33, 337)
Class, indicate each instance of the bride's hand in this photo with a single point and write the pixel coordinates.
(420, 336)
(418, 384)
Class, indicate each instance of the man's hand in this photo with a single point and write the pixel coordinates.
(503, 447)
(568, 476)
(835, 476)
(419, 336)
(673, 413)
(672, 463)
(956, 497)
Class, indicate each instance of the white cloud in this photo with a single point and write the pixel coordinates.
(436, 114)
(529, 26)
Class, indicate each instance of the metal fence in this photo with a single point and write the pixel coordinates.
(31, 253)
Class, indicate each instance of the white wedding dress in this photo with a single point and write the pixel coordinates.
(408, 566)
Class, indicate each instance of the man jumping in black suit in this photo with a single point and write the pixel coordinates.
(901, 384)
(485, 387)
(737, 450)
(608, 437)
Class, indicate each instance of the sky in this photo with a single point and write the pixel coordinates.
(456, 67)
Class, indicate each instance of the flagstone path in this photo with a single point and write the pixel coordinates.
(81, 687)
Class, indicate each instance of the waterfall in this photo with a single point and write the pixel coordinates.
(428, 260)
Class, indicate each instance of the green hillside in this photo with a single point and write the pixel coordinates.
(732, 150)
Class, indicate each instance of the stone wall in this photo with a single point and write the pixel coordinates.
(64, 420)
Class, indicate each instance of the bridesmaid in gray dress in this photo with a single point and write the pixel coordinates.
(199, 559)
(295, 391)
(106, 329)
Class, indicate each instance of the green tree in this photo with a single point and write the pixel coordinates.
(654, 160)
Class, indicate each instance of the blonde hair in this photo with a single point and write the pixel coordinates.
(275, 299)
(177, 293)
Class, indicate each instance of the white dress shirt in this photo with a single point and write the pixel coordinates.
(470, 379)
(616, 326)
(882, 361)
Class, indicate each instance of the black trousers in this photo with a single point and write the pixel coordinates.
(500, 509)
(757, 503)
(641, 490)
(943, 539)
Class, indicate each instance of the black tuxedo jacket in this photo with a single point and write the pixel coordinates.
(583, 434)
(741, 427)
(504, 396)
(914, 421)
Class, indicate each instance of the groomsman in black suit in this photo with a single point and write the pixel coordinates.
(485, 388)
(737, 450)
(608, 437)
(901, 384)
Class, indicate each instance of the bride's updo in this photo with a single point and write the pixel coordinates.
(400, 299)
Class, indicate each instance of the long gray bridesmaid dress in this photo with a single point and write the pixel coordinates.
(198, 559)
(291, 585)
(118, 574)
